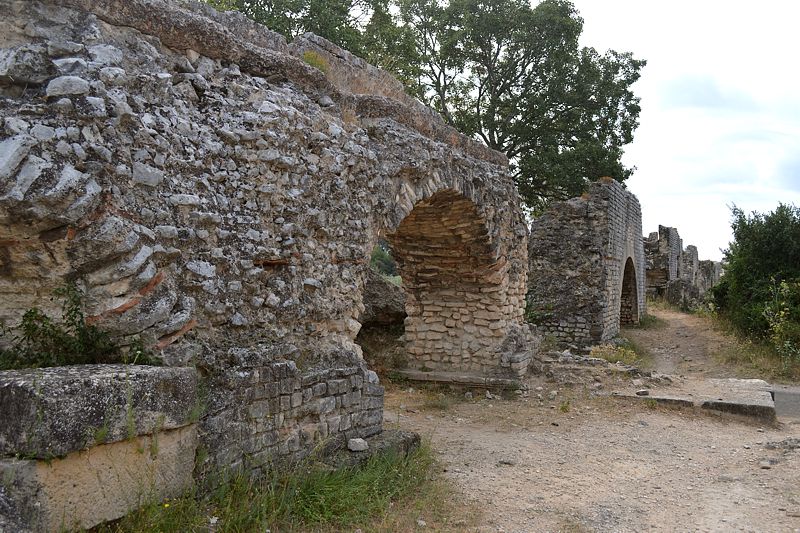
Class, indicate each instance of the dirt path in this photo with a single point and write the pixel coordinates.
(562, 460)
(684, 344)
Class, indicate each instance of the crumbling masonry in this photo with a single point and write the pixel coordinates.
(586, 274)
(676, 274)
(216, 197)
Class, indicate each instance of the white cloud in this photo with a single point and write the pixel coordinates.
(720, 121)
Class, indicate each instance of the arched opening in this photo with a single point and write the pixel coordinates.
(455, 286)
(629, 300)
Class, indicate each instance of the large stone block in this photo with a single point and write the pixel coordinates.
(103, 483)
(50, 412)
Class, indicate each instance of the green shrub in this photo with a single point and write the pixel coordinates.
(782, 313)
(39, 341)
(381, 260)
(765, 250)
(615, 354)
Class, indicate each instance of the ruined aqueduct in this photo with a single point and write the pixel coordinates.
(217, 198)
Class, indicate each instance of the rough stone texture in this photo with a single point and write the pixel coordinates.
(662, 251)
(217, 199)
(708, 275)
(103, 483)
(586, 272)
(259, 414)
(384, 302)
(226, 186)
(51, 412)
(675, 273)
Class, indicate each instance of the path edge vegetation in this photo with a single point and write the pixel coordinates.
(388, 493)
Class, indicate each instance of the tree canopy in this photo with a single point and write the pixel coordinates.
(501, 71)
(765, 252)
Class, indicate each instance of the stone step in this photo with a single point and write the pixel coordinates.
(751, 398)
(461, 378)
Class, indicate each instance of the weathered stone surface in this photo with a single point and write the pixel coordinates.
(103, 483)
(357, 445)
(676, 274)
(267, 172)
(217, 198)
(13, 151)
(51, 412)
(384, 302)
(67, 86)
(587, 270)
(26, 64)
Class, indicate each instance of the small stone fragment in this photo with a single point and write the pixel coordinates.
(12, 152)
(66, 86)
(357, 445)
(147, 175)
(642, 392)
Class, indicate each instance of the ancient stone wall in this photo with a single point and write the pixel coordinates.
(708, 275)
(216, 198)
(675, 273)
(689, 264)
(662, 251)
(587, 266)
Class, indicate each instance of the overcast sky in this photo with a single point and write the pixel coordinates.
(720, 120)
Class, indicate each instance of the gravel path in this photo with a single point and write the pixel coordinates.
(579, 463)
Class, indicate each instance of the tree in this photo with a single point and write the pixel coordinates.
(335, 20)
(516, 78)
(765, 253)
(390, 45)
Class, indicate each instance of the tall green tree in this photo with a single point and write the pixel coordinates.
(391, 45)
(516, 78)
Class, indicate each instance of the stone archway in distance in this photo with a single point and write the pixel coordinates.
(629, 299)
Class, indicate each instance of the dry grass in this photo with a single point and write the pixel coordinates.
(752, 358)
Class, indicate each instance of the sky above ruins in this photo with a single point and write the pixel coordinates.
(720, 120)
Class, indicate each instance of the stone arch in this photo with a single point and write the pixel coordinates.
(456, 286)
(629, 298)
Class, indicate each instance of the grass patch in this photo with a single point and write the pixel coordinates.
(753, 357)
(316, 60)
(384, 495)
(650, 322)
(438, 402)
(616, 354)
(394, 280)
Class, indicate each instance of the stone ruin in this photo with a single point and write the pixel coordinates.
(674, 273)
(587, 266)
(216, 198)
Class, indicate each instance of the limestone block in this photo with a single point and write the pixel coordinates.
(105, 482)
(51, 412)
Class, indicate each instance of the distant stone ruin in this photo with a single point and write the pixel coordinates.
(216, 198)
(586, 275)
(674, 273)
